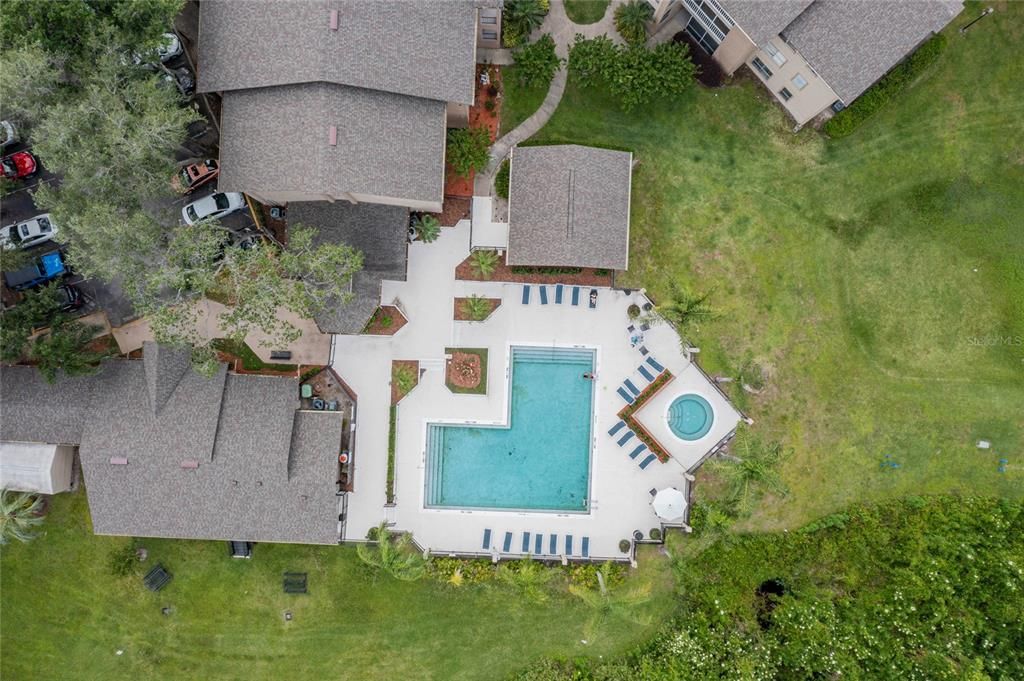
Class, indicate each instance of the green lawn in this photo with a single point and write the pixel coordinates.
(64, 615)
(586, 11)
(519, 102)
(878, 279)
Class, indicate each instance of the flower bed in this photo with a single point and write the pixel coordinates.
(386, 321)
(403, 370)
(460, 315)
(466, 371)
(645, 396)
(584, 277)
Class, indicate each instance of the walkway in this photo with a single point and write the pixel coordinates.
(563, 31)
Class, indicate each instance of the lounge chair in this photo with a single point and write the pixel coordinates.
(558, 294)
(636, 452)
(553, 544)
(526, 295)
(568, 544)
(538, 544)
(632, 388)
(642, 370)
(508, 542)
(487, 540)
(626, 396)
(593, 298)
(630, 329)
(575, 295)
(654, 363)
(647, 462)
(617, 427)
(526, 542)
(543, 295)
(586, 547)
(627, 437)
(643, 350)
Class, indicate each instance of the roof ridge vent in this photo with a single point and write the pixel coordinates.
(334, 20)
(119, 461)
(570, 212)
(332, 136)
(190, 464)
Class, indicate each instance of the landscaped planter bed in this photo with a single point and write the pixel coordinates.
(466, 371)
(587, 277)
(386, 321)
(460, 315)
(399, 366)
(645, 396)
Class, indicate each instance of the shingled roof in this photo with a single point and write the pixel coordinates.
(33, 410)
(421, 48)
(379, 232)
(277, 140)
(853, 44)
(569, 206)
(762, 20)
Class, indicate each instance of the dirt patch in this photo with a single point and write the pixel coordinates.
(464, 370)
(460, 314)
(453, 209)
(405, 375)
(386, 321)
(709, 73)
(586, 277)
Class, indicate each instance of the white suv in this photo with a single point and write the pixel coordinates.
(213, 206)
(37, 230)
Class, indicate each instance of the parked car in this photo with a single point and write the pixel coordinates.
(212, 207)
(8, 135)
(31, 232)
(44, 268)
(169, 47)
(182, 79)
(194, 176)
(70, 297)
(19, 165)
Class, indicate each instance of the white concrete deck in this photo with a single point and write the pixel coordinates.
(620, 498)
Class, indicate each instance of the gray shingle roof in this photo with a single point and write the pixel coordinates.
(32, 410)
(762, 20)
(569, 206)
(853, 44)
(379, 232)
(165, 367)
(423, 48)
(276, 140)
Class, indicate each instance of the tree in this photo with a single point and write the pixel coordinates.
(536, 63)
(751, 470)
(528, 577)
(476, 307)
(19, 513)
(29, 85)
(484, 263)
(64, 348)
(618, 603)
(37, 310)
(520, 18)
(631, 21)
(391, 556)
(684, 310)
(428, 228)
(468, 149)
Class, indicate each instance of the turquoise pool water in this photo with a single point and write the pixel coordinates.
(541, 461)
(690, 417)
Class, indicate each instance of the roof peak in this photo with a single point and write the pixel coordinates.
(165, 367)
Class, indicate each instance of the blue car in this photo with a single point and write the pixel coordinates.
(45, 268)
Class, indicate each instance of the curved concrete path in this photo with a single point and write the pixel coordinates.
(563, 31)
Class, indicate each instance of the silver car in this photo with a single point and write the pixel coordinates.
(37, 230)
(213, 206)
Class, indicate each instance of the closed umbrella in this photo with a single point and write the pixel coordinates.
(669, 504)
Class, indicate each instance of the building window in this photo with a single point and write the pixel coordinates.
(760, 67)
(785, 94)
(777, 56)
(490, 35)
(488, 20)
(702, 36)
(799, 81)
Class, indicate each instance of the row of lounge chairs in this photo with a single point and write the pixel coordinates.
(626, 438)
(647, 371)
(538, 544)
(559, 295)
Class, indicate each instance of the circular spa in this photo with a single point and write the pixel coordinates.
(690, 417)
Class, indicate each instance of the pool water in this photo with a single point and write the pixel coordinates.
(541, 461)
(690, 417)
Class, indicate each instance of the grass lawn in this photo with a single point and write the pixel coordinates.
(878, 279)
(518, 102)
(586, 11)
(66, 616)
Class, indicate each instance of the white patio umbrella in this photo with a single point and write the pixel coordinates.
(669, 504)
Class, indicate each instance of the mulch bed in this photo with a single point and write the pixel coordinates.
(453, 209)
(379, 324)
(397, 396)
(478, 116)
(277, 227)
(466, 370)
(709, 73)
(461, 316)
(588, 277)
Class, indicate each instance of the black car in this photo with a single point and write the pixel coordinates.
(70, 298)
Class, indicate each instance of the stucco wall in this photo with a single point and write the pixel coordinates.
(805, 104)
(734, 50)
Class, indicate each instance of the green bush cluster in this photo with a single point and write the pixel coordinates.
(392, 427)
(585, 574)
(501, 179)
(468, 149)
(472, 571)
(523, 269)
(520, 18)
(632, 74)
(631, 21)
(879, 94)
(536, 63)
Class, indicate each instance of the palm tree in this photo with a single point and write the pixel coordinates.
(484, 263)
(392, 555)
(631, 21)
(19, 512)
(476, 307)
(527, 576)
(750, 471)
(523, 16)
(618, 603)
(685, 310)
(427, 228)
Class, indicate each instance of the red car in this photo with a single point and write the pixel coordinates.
(195, 175)
(19, 165)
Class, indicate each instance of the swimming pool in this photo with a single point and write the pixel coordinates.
(690, 417)
(541, 461)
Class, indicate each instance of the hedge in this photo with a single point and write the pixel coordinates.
(501, 180)
(879, 94)
(545, 270)
(390, 491)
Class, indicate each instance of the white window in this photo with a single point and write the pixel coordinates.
(799, 81)
(761, 68)
(490, 35)
(777, 56)
(785, 94)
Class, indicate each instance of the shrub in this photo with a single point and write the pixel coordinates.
(501, 179)
(484, 263)
(20, 512)
(585, 574)
(879, 94)
(404, 377)
(537, 62)
(427, 228)
(655, 534)
(624, 546)
(520, 18)
(493, 90)
(601, 272)
(489, 105)
(476, 308)
(389, 489)
(523, 269)
(469, 571)
(468, 149)
(631, 21)
(633, 311)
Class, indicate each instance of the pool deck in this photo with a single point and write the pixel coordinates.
(620, 498)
